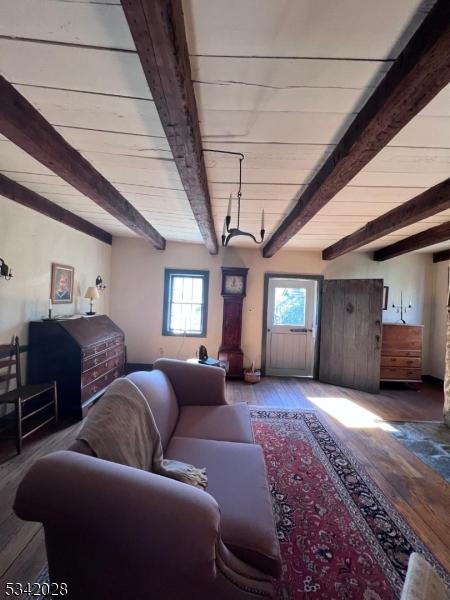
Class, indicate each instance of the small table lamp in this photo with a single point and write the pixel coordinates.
(92, 294)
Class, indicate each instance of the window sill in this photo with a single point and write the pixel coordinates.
(194, 335)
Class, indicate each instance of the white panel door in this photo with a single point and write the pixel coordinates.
(291, 327)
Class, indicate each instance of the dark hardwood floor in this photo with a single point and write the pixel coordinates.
(359, 420)
(391, 404)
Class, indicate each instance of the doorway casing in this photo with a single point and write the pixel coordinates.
(267, 278)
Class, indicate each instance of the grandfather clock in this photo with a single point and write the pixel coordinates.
(234, 283)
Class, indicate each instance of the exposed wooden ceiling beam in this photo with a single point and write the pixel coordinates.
(419, 73)
(434, 235)
(426, 204)
(22, 195)
(158, 30)
(441, 256)
(21, 123)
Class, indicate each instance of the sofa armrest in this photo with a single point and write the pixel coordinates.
(194, 384)
(148, 516)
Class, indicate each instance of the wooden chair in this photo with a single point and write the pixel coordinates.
(23, 394)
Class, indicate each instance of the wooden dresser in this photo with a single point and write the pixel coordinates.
(401, 353)
(84, 355)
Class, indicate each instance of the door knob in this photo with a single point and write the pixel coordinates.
(268, 330)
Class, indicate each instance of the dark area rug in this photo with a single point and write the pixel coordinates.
(340, 538)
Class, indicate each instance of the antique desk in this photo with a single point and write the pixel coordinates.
(84, 355)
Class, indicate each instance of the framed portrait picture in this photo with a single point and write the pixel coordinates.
(62, 284)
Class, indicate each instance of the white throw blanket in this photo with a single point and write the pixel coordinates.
(121, 428)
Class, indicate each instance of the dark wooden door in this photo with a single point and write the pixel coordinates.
(350, 341)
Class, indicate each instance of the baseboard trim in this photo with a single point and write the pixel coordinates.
(132, 367)
(432, 379)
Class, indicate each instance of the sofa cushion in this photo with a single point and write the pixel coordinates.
(230, 423)
(194, 384)
(158, 391)
(237, 479)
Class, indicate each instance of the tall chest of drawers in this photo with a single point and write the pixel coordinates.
(84, 355)
(401, 353)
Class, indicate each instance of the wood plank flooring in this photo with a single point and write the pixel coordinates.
(399, 404)
(419, 494)
(22, 547)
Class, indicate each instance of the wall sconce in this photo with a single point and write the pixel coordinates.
(99, 283)
(402, 309)
(5, 271)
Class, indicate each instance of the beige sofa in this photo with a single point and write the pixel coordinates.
(113, 531)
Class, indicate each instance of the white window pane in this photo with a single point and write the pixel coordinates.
(187, 289)
(289, 306)
(177, 289)
(196, 318)
(197, 295)
(186, 316)
(183, 298)
(176, 317)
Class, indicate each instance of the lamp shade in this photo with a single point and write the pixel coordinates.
(92, 293)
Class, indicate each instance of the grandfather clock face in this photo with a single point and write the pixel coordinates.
(234, 284)
(234, 281)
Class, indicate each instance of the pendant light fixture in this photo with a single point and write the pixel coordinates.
(228, 233)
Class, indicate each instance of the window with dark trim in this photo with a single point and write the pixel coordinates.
(185, 302)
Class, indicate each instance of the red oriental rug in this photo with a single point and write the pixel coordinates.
(340, 538)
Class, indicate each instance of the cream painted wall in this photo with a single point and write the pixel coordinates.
(138, 286)
(438, 324)
(29, 243)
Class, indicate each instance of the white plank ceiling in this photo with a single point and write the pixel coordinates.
(76, 63)
(279, 81)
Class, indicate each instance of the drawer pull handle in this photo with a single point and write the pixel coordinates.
(106, 365)
(95, 374)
